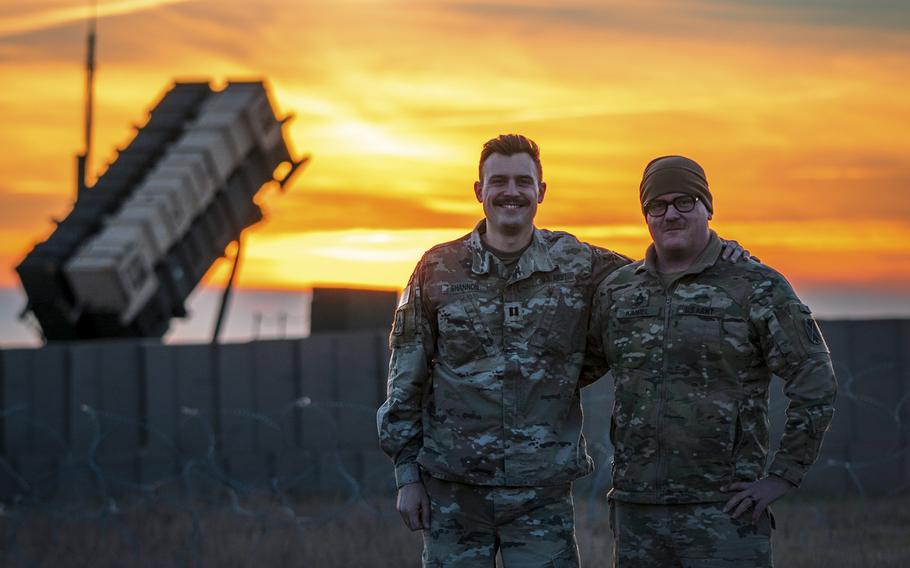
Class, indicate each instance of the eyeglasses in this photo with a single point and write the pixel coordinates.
(683, 204)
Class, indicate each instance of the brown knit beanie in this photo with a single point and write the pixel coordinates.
(675, 174)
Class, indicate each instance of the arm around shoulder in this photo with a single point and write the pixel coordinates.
(595, 363)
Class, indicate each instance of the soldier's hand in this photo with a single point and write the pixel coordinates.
(414, 506)
(733, 251)
(758, 494)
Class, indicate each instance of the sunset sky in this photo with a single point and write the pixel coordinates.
(797, 109)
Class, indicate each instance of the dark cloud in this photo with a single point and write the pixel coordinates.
(581, 14)
(56, 44)
(226, 29)
(885, 14)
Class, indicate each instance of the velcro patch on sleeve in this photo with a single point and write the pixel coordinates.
(807, 329)
(405, 296)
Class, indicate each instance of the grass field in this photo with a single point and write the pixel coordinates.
(368, 533)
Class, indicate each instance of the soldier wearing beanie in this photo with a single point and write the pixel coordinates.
(669, 174)
(692, 343)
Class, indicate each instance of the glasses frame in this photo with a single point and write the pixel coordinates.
(646, 208)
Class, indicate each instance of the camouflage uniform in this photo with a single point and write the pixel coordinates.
(531, 526)
(700, 535)
(692, 364)
(484, 375)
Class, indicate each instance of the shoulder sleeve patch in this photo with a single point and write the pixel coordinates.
(406, 326)
(405, 296)
(796, 332)
(807, 329)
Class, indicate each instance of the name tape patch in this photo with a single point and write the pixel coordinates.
(706, 311)
(647, 311)
(459, 287)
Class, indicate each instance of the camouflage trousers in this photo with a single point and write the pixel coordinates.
(696, 535)
(529, 526)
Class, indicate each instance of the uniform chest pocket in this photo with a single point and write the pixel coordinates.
(697, 333)
(635, 332)
(463, 338)
(557, 322)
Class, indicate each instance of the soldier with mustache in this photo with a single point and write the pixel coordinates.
(483, 417)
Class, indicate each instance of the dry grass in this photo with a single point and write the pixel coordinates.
(809, 533)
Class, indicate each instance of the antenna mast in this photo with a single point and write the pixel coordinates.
(83, 160)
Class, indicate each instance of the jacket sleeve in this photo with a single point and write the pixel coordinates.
(795, 350)
(595, 363)
(411, 342)
(604, 263)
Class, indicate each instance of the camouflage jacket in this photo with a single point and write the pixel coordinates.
(484, 375)
(692, 365)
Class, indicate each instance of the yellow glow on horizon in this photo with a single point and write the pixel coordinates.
(385, 259)
(382, 259)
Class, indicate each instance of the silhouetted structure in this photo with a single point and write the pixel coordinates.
(135, 245)
(342, 309)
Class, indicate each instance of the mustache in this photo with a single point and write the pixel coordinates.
(516, 200)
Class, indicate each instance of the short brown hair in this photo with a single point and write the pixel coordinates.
(507, 145)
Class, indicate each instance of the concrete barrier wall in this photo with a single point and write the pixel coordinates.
(110, 418)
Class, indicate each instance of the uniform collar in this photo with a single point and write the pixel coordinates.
(536, 258)
(705, 260)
